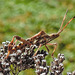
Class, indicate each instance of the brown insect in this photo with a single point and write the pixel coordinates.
(39, 40)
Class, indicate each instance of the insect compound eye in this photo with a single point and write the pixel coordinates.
(51, 34)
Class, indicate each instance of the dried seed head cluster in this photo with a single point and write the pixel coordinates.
(57, 65)
(71, 73)
(40, 65)
(23, 59)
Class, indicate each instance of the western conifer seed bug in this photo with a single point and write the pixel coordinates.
(39, 40)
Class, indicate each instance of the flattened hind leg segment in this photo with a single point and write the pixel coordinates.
(12, 43)
(7, 54)
(20, 39)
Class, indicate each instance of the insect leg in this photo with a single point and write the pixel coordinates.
(10, 46)
(12, 43)
(10, 51)
(37, 50)
(47, 48)
(7, 54)
(55, 46)
(15, 42)
(20, 39)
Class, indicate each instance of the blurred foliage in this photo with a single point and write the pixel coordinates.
(27, 17)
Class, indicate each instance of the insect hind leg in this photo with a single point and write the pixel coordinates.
(20, 39)
(7, 55)
(12, 43)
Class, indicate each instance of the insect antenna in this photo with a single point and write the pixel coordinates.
(63, 20)
(61, 29)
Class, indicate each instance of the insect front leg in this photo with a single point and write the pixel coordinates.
(55, 46)
(47, 48)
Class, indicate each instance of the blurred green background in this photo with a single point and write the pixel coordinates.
(27, 17)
